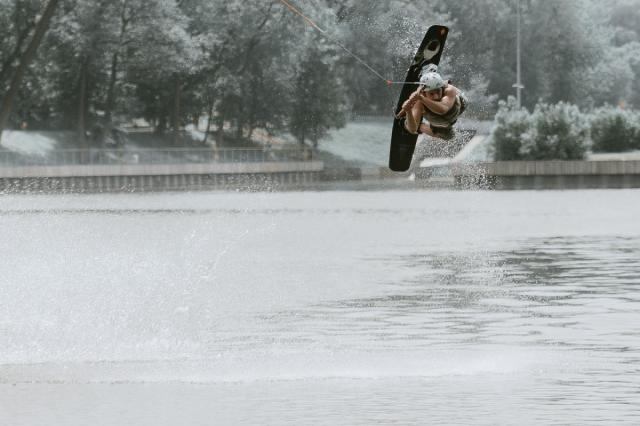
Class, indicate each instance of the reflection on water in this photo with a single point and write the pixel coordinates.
(560, 313)
(573, 292)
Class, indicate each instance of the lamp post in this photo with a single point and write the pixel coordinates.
(518, 84)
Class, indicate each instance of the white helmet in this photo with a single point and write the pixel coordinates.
(429, 68)
(432, 81)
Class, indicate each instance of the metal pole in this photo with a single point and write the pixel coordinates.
(518, 84)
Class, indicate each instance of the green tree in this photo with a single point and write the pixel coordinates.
(614, 130)
(24, 61)
(17, 21)
(318, 101)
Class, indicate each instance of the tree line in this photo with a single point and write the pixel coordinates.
(253, 64)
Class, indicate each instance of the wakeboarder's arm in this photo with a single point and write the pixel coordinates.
(414, 111)
(443, 105)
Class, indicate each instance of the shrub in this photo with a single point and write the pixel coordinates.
(557, 132)
(510, 124)
(551, 132)
(614, 130)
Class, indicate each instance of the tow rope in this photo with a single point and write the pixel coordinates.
(326, 35)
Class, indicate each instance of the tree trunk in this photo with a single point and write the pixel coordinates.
(162, 123)
(220, 136)
(239, 128)
(41, 29)
(82, 104)
(6, 64)
(176, 110)
(208, 129)
(111, 91)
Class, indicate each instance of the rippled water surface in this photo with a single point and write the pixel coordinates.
(321, 308)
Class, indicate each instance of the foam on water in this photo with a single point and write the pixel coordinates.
(242, 367)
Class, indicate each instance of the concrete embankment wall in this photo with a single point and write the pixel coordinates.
(549, 174)
(157, 177)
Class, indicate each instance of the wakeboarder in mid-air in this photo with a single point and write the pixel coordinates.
(434, 107)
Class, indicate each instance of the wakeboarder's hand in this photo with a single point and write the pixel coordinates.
(409, 103)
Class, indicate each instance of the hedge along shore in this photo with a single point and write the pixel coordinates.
(548, 174)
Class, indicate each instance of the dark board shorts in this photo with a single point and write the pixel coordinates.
(446, 133)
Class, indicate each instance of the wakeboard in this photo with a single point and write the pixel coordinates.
(403, 143)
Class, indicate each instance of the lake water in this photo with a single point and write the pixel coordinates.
(333, 307)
